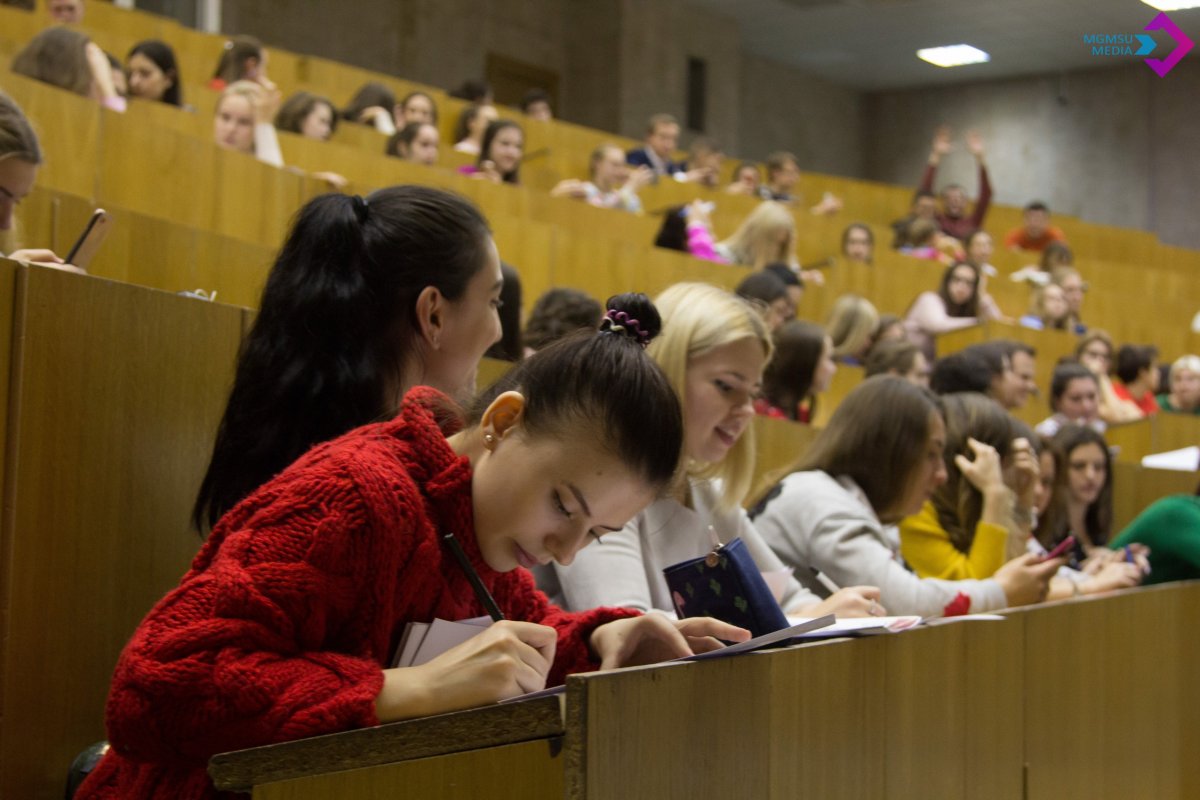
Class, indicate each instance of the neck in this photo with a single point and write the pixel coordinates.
(467, 442)
(1077, 516)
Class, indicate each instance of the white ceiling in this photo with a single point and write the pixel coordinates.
(872, 44)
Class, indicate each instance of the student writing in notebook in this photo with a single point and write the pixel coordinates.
(713, 349)
(291, 611)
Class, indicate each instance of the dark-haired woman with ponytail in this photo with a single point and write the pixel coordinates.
(368, 298)
(287, 623)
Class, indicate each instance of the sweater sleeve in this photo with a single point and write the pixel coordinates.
(985, 198)
(700, 243)
(573, 653)
(266, 145)
(927, 178)
(927, 548)
(795, 596)
(842, 539)
(245, 651)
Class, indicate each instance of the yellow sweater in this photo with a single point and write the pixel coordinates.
(926, 547)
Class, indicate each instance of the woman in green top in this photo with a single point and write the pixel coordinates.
(1184, 394)
(1170, 527)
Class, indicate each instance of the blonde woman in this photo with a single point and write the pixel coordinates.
(767, 236)
(713, 349)
(851, 326)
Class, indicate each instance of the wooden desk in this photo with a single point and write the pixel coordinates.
(1090, 698)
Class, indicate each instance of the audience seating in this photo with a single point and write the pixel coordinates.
(112, 392)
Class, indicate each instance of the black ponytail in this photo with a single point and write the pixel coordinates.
(335, 327)
(603, 383)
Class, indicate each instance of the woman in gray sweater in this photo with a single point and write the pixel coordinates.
(878, 461)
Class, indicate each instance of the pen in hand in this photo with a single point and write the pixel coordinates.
(485, 597)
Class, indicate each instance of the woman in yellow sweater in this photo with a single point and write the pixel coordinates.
(982, 516)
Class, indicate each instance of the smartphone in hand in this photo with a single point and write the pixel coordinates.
(89, 241)
(1062, 548)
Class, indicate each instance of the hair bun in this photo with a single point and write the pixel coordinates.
(633, 315)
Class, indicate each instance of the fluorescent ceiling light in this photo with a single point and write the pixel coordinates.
(1172, 5)
(954, 55)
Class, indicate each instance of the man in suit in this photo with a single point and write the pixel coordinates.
(662, 136)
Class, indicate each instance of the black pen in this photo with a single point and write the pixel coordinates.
(481, 591)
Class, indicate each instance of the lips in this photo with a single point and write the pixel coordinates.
(728, 436)
(523, 558)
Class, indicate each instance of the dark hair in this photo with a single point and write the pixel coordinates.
(971, 307)
(509, 347)
(473, 91)
(921, 194)
(748, 165)
(876, 437)
(1056, 254)
(534, 96)
(607, 384)
(404, 136)
(462, 127)
(57, 56)
(558, 313)
(369, 95)
(17, 139)
(1132, 359)
(780, 159)
(493, 130)
(788, 378)
(958, 503)
(292, 113)
(858, 226)
(1098, 517)
(969, 370)
(335, 327)
(765, 287)
(231, 64)
(164, 58)
(432, 104)
(672, 234)
(785, 273)
(894, 356)
(1037, 205)
(1062, 376)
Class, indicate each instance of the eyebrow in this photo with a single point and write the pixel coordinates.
(583, 504)
(11, 196)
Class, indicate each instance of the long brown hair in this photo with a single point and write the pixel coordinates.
(958, 503)
(57, 56)
(876, 437)
(1098, 517)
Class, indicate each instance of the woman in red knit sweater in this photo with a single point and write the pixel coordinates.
(286, 623)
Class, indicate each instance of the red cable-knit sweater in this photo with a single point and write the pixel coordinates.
(293, 607)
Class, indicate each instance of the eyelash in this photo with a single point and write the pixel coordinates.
(562, 509)
(497, 304)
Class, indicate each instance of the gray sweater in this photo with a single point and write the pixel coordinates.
(624, 568)
(816, 522)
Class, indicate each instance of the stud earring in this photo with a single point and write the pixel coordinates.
(489, 441)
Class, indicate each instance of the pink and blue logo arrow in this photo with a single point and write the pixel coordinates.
(1183, 45)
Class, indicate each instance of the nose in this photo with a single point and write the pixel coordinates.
(940, 476)
(562, 548)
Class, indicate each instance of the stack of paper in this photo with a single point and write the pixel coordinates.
(424, 641)
(859, 626)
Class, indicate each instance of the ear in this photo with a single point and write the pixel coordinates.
(503, 415)
(431, 315)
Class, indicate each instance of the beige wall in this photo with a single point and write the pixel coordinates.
(1122, 149)
(1115, 146)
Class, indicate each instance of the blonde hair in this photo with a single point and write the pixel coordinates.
(1185, 363)
(756, 242)
(698, 318)
(1037, 306)
(851, 324)
(249, 90)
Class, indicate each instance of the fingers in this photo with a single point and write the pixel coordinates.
(704, 644)
(709, 627)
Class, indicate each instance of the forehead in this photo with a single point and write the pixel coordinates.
(16, 176)
(1080, 385)
(1088, 451)
(235, 104)
(744, 355)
